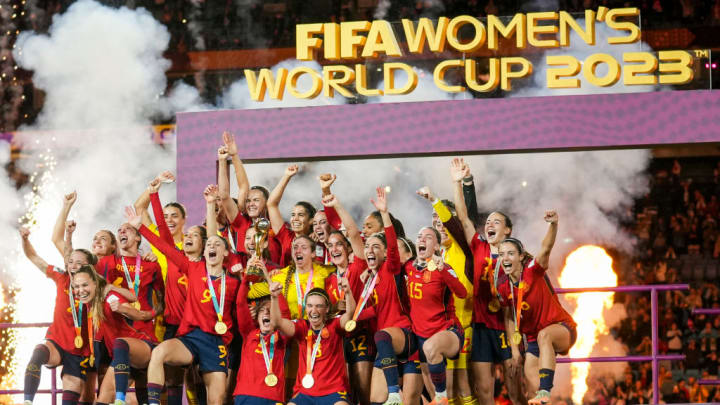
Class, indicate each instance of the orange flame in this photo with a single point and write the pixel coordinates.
(587, 266)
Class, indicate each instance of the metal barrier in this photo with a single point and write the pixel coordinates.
(54, 390)
(655, 357)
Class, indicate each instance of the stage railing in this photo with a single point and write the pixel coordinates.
(654, 357)
(54, 390)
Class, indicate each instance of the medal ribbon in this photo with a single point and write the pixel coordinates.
(77, 316)
(300, 294)
(268, 357)
(517, 309)
(91, 332)
(365, 296)
(310, 360)
(494, 284)
(135, 285)
(218, 308)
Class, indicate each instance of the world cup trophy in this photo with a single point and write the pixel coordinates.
(255, 273)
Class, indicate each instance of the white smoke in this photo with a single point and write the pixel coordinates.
(103, 75)
(381, 9)
(237, 96)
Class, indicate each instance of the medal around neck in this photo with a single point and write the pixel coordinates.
(350, 325)
(308, 381)
(271, 380)
(220, 327)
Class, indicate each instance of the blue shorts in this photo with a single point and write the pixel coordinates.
(534, 349)
(359, 348)
(102, 356)
(489, 345)
(251, 400)
(330, 399)
(454, 329)
(170, 331)
(72, 364)
(208, 351)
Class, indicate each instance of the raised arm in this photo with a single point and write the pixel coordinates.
(326, 180)
(211, 198)
(273, 202)
(244, 318)
(468, 186)
(459, 170)
(68, 248)
(393, 254)
(30, 252)
(143, 202)
(543, 256)
(240, 175)
(58, 232)
(353, 232)
(157, 208)
(285, 326)
(169, 250)
(231, 209)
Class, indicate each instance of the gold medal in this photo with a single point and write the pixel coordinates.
(431, 265)
(522, 285)
(78, 342)
(350, 325)
(494, 305)
(517, 337)
(308, 381)
(325, 333)
(271, 380)
(220, 327)
(136, 305)
(427, 276)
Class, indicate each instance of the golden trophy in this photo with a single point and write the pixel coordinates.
(256, 273)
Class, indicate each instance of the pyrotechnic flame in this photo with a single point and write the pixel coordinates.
(587, 266)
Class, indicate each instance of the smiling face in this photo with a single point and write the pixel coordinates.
(103, 244)
(427, 243)
(438, 225)
(338, 250)
(300, 221)
(193, 242)
(128, 239)
(215, 250)
(317, 308)
(371, 226)
(496, 229)
(77, 259)
(303, 253)
(255, 203)
(510, 258)
(174, 219)
(374, 252)
(321, 227)
(84, 287)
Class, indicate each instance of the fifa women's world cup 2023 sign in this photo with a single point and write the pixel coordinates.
(356, 41)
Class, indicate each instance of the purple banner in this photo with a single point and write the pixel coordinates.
(447, 127)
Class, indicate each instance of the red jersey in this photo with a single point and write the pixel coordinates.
(62, 330)
(150, 281)
(329, 372)
(251, 376)
(484, 265)
(432, 306)
(199, 310)
(331, 286)
(116, 325)
(175, 281)
(540, 307)
(389, 295)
